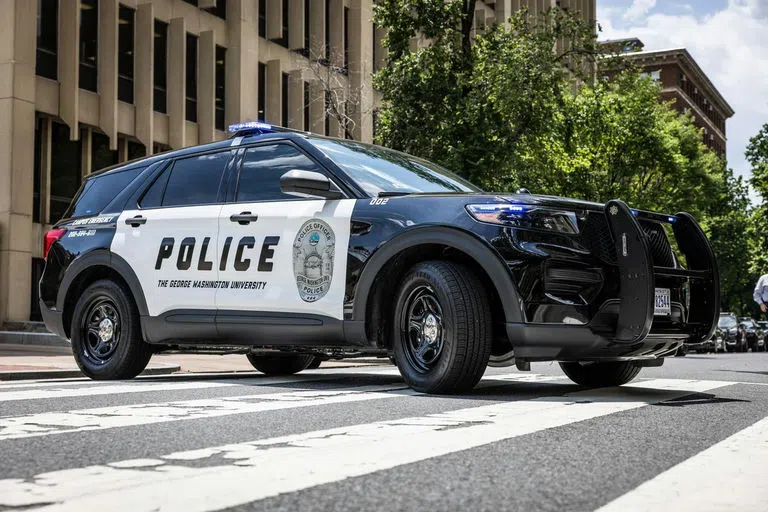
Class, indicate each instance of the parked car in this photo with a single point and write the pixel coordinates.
(287, 246)
(764, 327)
(754, 334)
(727, 336)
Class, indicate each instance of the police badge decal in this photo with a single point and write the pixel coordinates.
(313, 259)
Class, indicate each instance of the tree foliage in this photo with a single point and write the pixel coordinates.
(523, 108)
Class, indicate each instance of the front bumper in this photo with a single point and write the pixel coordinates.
(625, 327)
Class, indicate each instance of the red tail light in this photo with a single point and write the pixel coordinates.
(50, 237)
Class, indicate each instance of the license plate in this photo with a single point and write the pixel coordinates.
(662, 304)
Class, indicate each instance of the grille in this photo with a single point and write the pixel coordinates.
(660, 248)
(597, 238)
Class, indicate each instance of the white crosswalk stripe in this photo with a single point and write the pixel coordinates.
(224, 476)
(730, 475)
(48, 423)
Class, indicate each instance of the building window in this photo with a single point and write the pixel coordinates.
(125, 55)
(191, 103)
(38, 169)
(89, 44)
(262, 90)
(220, 10)
(65, 171)
(262, 18)
(286, 25)
(101, 155)
(284, 106)
(221, 66)
(160, 78)
(136, 150)
(307, 24)
(346, 38)
(306, 106)
(47, 38)
(328, 31)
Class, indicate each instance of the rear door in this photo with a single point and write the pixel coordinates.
(280, 253)
(170, 239)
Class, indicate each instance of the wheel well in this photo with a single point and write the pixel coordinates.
(86, 278)
(381, 306)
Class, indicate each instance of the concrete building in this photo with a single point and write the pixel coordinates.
(683, 82)
(85, 84)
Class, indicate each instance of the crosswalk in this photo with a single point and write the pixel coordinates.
(337, 431)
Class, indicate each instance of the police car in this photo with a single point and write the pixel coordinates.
(293, 248)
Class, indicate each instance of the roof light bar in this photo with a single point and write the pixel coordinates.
(249, 125)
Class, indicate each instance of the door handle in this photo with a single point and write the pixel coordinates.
(136, 221)
(244, 218)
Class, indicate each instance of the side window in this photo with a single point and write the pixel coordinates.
(262, 168)
(193, 180)
(153, 197)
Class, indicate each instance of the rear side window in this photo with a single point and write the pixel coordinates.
(194, 180)
(99, 191)
(262, 168)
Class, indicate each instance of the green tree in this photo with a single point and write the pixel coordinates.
(521, 108)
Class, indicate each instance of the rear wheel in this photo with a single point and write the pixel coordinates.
(280, 364)
(106, 334)
(443, 337)
(600, 375)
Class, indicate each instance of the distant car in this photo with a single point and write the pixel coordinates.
(726, 335)
(764, 326)
(754, 334)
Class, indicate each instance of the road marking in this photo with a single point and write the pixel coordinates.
(230, 475)
(48, 423)
(729, 475)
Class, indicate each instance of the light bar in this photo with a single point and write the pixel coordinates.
(248, 125)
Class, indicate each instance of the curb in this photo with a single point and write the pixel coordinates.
(165, 369)
(40, 339)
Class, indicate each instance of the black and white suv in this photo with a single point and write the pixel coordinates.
(292, 248)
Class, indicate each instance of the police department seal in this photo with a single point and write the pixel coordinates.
(313, 259)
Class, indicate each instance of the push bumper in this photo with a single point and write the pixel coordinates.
(53, 320)
(633, 332)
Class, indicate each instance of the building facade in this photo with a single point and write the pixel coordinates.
(85, 84)
(683, 83)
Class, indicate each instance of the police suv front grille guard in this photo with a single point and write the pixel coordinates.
(637, 272)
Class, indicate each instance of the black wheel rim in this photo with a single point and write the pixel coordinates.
(422, 329)
(101, 329)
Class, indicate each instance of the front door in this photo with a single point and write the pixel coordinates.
(281, 255)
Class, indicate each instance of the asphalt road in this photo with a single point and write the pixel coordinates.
(691, 435)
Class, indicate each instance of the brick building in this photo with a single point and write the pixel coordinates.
(685, 83)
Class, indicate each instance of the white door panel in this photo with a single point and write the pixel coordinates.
(292, 259)
(174, 254)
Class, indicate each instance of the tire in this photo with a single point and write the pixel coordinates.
(106, 334)
(443, 328)
(280, 364)
(314, 364)
(600, 375)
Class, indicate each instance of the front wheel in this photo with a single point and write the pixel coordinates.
(280, 364)
(443, 328)
(106, 334)
(601, 375)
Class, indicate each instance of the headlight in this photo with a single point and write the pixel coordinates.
(526, 216)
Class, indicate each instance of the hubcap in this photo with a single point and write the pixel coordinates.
(422, 326)
(101, 330)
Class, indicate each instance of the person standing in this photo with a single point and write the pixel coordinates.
(761, 294)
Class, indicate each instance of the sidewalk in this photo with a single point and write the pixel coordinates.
(29, 361)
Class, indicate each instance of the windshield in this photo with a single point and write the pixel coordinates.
(376, 169)
(726, 322)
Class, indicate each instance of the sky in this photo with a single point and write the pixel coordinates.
(727, 38)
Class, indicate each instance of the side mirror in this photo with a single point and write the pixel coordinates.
(309, 184)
